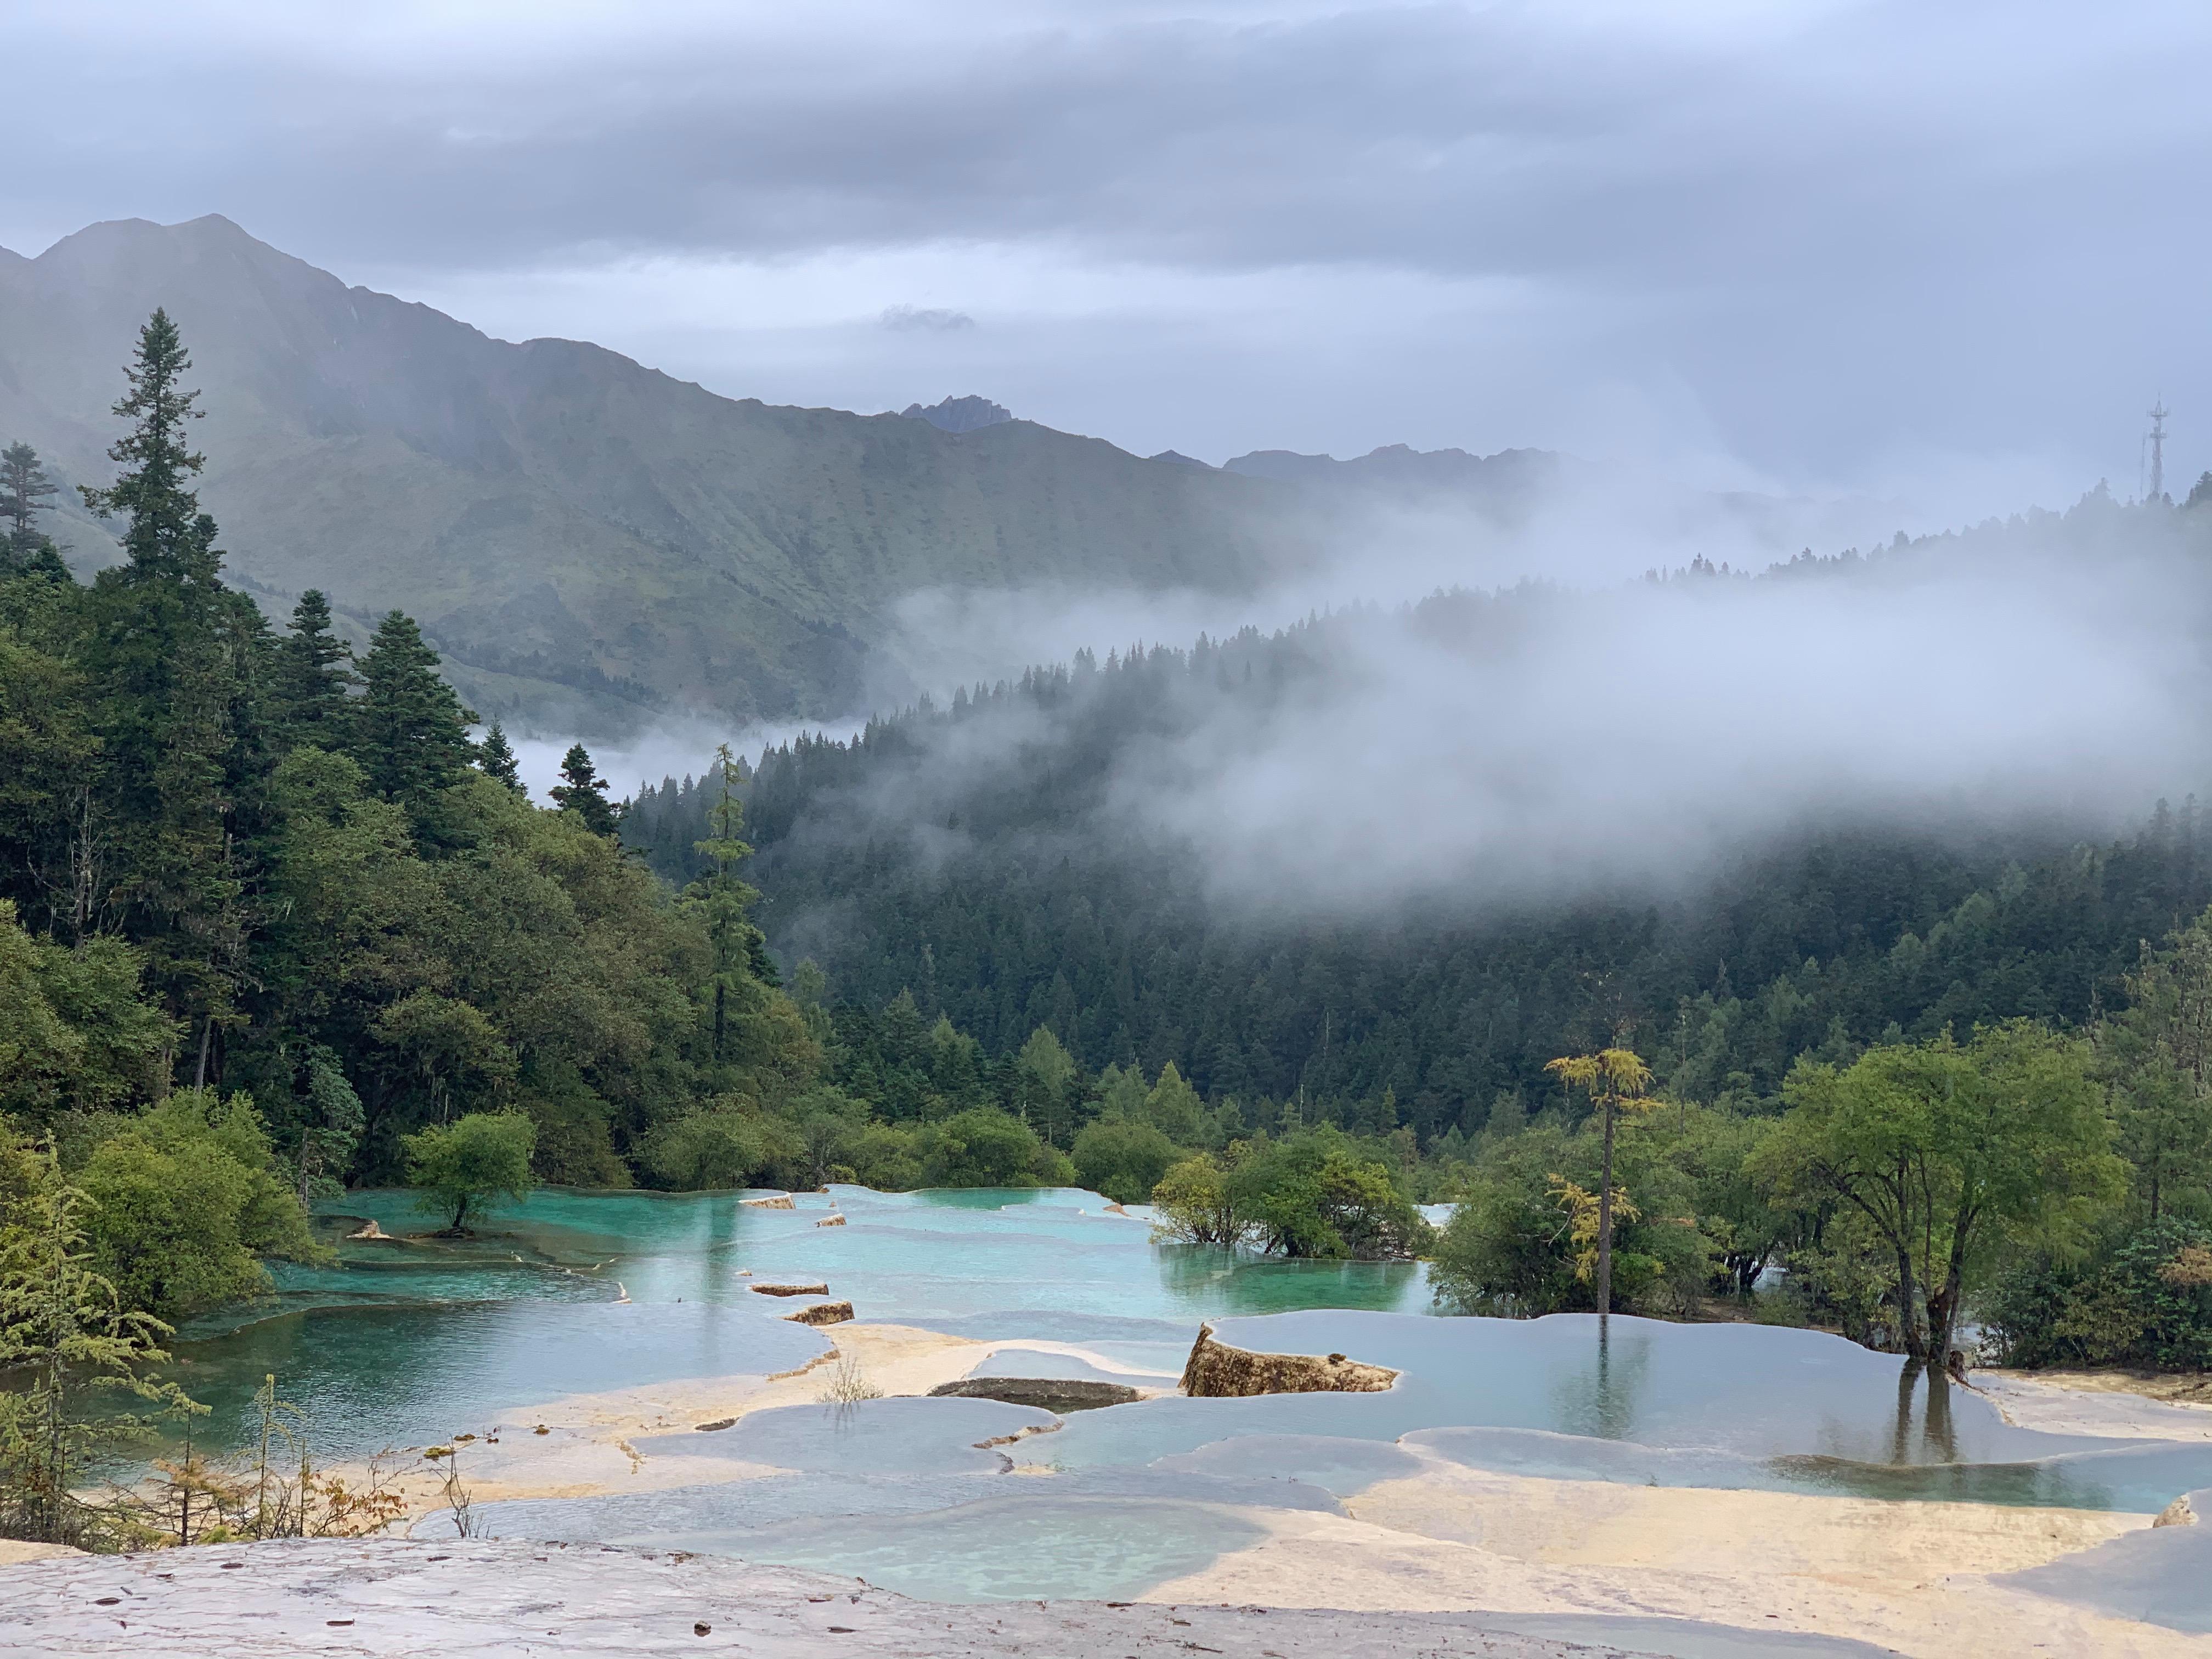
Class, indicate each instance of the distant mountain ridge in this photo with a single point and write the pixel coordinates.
(595, 545)
(591, 542)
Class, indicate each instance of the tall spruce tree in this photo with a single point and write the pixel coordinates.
(723, 903)
(410, 731)
(180, 662)
(584, 791)
(166, 535)
(313, 672)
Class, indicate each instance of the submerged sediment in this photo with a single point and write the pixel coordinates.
(1047, 1394)
(1217, 1372)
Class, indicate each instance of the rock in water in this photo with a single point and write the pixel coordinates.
(823, 1313)
(791, 1289)
(1046, 1394)
(1217, 1372)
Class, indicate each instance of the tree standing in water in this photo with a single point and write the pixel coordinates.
(1947, 1149)
(1616, 1081)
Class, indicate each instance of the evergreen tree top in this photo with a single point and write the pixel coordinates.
(24, 488)
(412, 733)
(584, 791)
(496, 757)
(168, 535)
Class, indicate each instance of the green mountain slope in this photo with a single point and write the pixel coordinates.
(588, 540)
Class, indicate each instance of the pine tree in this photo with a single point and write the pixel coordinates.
(167, 535)
(180, 662)
(24, 486)
(411, 733)
(584, 791)
(722, 901)
(313, 670)
(496, 758)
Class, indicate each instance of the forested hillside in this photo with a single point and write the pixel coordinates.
(1940, 1063)
(276, 918)
(979, 856)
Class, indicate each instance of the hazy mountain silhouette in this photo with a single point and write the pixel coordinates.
(592, 543)
(586, 538)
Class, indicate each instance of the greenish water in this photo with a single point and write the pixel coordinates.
(411, 1341)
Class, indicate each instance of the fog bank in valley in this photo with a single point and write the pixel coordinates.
(1556, 739)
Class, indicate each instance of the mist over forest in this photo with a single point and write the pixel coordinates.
(1420, 849)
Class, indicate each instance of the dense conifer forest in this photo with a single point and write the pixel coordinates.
(994, 896)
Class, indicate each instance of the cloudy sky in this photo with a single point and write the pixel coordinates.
(1941, 251)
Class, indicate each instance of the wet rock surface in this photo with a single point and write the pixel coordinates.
(504, 1600)
(1217, 1372)
(1047, 1394)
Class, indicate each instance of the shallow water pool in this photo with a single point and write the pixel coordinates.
(574, 1292)
(412, 1339)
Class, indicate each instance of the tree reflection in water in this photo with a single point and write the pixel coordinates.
(1939, 1439)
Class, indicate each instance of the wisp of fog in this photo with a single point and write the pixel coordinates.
(1540, 741)
(1549, 741)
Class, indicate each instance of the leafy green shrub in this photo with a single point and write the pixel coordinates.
(2146, 1301)
(725, 1146)
(985, 1147)
(1195, 1204)
(184, 1200)
(471, 1163)
(882, 1155)
(1312, 1194)
(1508, 1250)
(1123, 1158)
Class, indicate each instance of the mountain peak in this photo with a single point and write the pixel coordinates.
(959, 414)
(109, 240)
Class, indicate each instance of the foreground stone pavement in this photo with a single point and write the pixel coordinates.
(502, 1598)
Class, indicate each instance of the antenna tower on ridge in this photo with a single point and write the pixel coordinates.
(2155, 440)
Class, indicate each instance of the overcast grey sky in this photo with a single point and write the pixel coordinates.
(1931, 250)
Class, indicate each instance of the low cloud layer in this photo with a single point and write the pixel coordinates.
(1553, 742)
(904, 319)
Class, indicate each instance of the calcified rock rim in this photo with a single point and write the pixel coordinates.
(506, 1599)
(1217, 1372)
